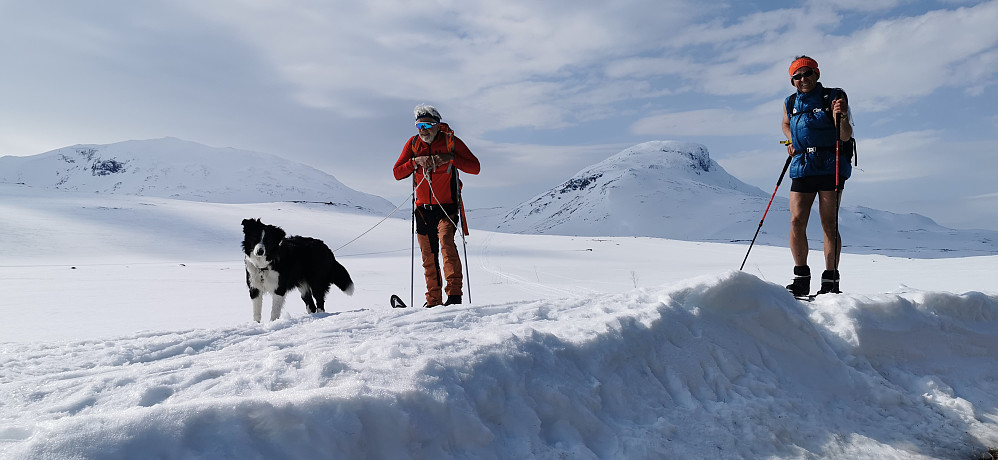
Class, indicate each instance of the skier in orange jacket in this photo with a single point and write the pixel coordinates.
(433, 157)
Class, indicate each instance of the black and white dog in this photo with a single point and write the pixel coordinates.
(277, 263)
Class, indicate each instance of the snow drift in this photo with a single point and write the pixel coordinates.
(719, 367)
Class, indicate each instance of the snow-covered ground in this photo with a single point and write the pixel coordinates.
(127, 334)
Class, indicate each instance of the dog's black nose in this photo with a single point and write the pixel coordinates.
(259, 251)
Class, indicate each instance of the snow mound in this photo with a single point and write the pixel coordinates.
(720, 366)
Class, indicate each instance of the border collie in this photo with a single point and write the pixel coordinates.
(277, 263)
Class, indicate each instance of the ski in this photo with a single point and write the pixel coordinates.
(805, 298)
(396, 302)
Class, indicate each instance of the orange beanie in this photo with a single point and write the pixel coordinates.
(803, 62)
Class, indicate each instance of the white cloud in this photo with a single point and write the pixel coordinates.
(332, 84)
(459, 52)
(889, 63)
(763, 119)
(896, 61)
(906, 156)
(860, 5)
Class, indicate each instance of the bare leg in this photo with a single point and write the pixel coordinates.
(828, 211)
(800, 211)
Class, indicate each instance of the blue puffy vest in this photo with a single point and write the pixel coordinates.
(812, 129)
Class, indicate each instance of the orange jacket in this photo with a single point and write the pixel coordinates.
(443, 179)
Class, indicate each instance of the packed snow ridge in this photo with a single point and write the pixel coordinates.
(726, 366)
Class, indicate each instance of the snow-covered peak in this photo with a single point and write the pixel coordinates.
(650, 189)
(656, 162)
(674, 190)
(175, 168)
(678, 156)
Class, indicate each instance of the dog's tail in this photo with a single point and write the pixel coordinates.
(341, 278)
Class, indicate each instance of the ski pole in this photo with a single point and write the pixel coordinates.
(838, 189)
(778, 182)
(464, 242)
(412, 247)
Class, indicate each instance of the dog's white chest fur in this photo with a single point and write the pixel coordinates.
(261, 278)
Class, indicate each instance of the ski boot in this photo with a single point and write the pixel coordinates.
(830, 282)
(802, 281)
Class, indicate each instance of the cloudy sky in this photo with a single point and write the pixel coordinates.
(538, 90)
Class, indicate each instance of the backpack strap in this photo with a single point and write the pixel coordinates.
(456, 181)
(790, 105)
(851, 143)
(827, 99)
(412, 148)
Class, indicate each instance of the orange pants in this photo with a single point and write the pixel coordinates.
(436, 235)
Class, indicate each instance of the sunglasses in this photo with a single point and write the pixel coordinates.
(805, 74)
(424, 125)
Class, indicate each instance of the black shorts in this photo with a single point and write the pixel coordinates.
(815, 184)
(429, 216)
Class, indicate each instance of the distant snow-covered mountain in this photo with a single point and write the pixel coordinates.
(179, 169)
(674, 190)
(657, 188)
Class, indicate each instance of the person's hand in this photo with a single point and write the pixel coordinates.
(790, 149)
(442, 159)
(840, 107)
(425, 162)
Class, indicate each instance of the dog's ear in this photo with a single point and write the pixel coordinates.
(250, 223)
(280, 233)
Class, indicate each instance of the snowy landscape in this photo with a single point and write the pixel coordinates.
(675, 190)
(606, 318)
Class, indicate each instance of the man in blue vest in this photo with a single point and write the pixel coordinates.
(816, 123)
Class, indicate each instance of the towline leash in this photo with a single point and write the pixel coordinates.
(407, 198)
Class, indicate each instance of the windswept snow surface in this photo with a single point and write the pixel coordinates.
(726, 366)
(126, 334)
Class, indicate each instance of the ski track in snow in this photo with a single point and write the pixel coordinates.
(522, 282)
